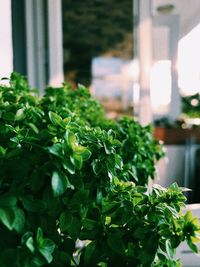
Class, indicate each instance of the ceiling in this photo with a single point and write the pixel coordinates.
(189, 12)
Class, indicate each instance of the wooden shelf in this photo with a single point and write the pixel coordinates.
(177, 136)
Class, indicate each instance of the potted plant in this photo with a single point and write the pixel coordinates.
(74, 186)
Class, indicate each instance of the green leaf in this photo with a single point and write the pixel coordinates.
(59, 183)
(192, 246)
(99, 197)
(20, 115)
(33, 127)
(110, 207)
(36, 180)
(15, 140)
(169, 249)
(188, 216)
(74, 228)
(71, 139)
(52, 129)
(97, 166)
(45, 246)
(67, 165)
(67, 120)
(83, 152)
(10, 128)
(7, 217)
(64, 220)
(115, 243)
(30, 244)
(46, 249)
(56, 119)
(89, 255)
(9, 116)
(108, 148)
(77, 161)
(56, 149)
(89, 224)
(7, 200)
(2, 151)
(25, 237)
(33, 205)
(118, 161)
(39, 236)
(71, 224)
(140, 233)
(102, 264)
(14, 152)
(19, 221)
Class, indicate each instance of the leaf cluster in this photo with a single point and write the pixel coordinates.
(191, 105)
(73, 186)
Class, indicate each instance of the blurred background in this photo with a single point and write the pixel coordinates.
(139, 58)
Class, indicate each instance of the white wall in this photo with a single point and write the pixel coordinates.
(6, 50)
(187, 10)
(179, 165)
(56, 74)
(171, 167)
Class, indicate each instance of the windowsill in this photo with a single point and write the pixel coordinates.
(177, 136)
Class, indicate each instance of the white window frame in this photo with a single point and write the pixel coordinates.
(44, 44)
(6, 47)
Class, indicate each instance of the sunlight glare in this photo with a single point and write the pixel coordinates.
(189, 63)
(160, 85)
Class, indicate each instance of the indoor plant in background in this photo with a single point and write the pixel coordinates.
(67, 174)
